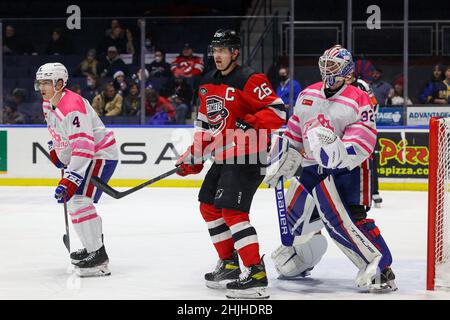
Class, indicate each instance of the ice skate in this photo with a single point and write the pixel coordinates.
(377, 200)
(383, 282)
(94, 265)
(226, 271)
(252, 284)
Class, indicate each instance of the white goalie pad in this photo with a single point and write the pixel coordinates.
(295, 261)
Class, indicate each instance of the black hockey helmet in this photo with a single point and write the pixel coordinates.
(225, 38)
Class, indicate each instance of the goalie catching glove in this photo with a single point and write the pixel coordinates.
(328, 149)
(284, 161)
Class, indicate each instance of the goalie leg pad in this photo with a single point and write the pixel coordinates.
(350, 239)
(295, 261)
(300, 207)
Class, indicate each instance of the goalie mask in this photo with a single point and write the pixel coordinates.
(335, 64)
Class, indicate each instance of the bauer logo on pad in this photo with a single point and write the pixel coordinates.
(307, 102)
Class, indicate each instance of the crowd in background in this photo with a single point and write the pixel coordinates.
(114, 89)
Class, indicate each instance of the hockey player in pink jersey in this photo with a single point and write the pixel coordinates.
(330, 136)
(82, 146)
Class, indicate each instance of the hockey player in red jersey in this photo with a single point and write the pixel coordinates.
(234, 101)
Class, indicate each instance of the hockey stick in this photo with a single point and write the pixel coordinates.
(66, 237)
(100, 184)
(287, 238)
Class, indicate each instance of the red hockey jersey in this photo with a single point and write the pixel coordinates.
(241, 95)
(187, 67)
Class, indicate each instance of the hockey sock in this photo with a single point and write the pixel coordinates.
(86, 222)
(244, 236)
(218, 230)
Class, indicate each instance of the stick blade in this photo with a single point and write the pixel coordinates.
(66, 242)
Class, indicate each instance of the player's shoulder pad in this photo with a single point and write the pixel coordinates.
(236, 79)
(71, 102)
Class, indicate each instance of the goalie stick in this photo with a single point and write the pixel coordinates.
(100, 184)
(287, 238)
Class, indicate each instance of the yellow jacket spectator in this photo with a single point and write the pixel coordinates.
(108, 103)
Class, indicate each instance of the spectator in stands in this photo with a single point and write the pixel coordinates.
(364, 69)
(149, 44)
(123, 41)
(283, 88)
(136, 78)
(114, 24)
(17, 102)
(435, 91)
(447, 82)
(59, 44)
(381, 89)
(92, 88)
(158, 108)
(89, 65)
(120, 84)
(11, 43)
(12, 116)
(112, 63)
(132, 102)
(159, 67)
(179, 94)
(108, 103)
(187, 65)
(395, 97)
(75, 88)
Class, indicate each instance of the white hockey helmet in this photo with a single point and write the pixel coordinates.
(52, 71)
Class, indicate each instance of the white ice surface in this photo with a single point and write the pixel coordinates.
(159, 248)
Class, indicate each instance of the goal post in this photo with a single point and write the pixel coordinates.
(438, 256)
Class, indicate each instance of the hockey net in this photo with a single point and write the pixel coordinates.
(438, 264)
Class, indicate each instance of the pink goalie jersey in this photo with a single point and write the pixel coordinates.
(77, 132)
(349, 113)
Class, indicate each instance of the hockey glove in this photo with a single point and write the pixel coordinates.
(328, 149)
(53, 156)
(249, 122)
(186, 164)
(67, 186)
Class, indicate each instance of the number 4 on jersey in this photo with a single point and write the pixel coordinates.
(76, 122)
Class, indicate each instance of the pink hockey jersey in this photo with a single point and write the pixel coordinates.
(77, 132)
(349, 113)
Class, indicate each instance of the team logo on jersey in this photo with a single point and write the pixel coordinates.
(216, 113)
(307, 102)
(203, 91)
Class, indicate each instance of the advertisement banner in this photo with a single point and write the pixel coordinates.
(390, 116)
(403, 154)
(420, 116)
(3, 152)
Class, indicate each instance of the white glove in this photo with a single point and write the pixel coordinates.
(327, 148)
(284, 161)
(293, 261)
